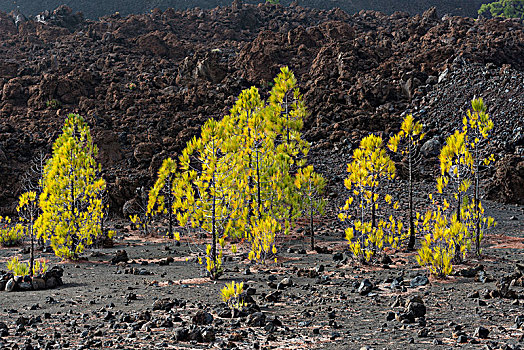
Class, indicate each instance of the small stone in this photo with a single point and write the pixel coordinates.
(38, 283)
(181, 334)
(462, 339)
(519, 321)
(163, 304)
(202, 318)
(25, 285)
(120, 256)
(338, 256)
(4, 330)
(257, 319)
(10, 285)
(390, 316)
(365, 287)
(196, 334)
(481, 332)
(423, 333)
(419, 281)
(208, 335)
(334, 335)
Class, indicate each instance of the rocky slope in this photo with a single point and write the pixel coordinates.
(96, 9)
(147, 82)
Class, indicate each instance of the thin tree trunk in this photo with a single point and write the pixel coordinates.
(32, 258)
(411, 243)
(311, 231)
(259, 195)
(169, 208)
(477, 203)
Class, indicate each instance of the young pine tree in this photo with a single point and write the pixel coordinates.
(368, 174)
(32, 181)
(142, 220)
(161, 195)
(70, 201)
(285, 112)
(406, 143)
(310, 186)
(263, 173)
(205, 196)
(28, 212)
(455, 165)
(441, 234)
(477, 125)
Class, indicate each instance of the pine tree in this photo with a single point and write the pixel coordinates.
(406, 142)
(261, 165)
(265, 159)
(477, 126)
(285, 113)
(441, 234)
(28, 212)
(368, 174)
(161, 196)
(205, 198)
(70, 201)
(455, 165)
(32, 181)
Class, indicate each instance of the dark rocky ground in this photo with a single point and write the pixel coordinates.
(150, 301)
(96, 9)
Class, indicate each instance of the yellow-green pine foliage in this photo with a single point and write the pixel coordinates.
(231, 295)
(255, 155)
(442, 238)
(285, 112)
(263, 242)
(161, 196)
(369, 171)
(19, 268)
(310, 186)
(455, 165)
(406, 143)
(10, 234)
(70, 202)
(28, 212)
(477, 126)
(262, 169)
(204, 194)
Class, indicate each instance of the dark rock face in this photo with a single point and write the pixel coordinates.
(94, 10)
(146, 83)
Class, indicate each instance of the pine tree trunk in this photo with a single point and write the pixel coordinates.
(477, 204)
(32, 257)
(411, 243)
(311, 231)
(169, 208)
